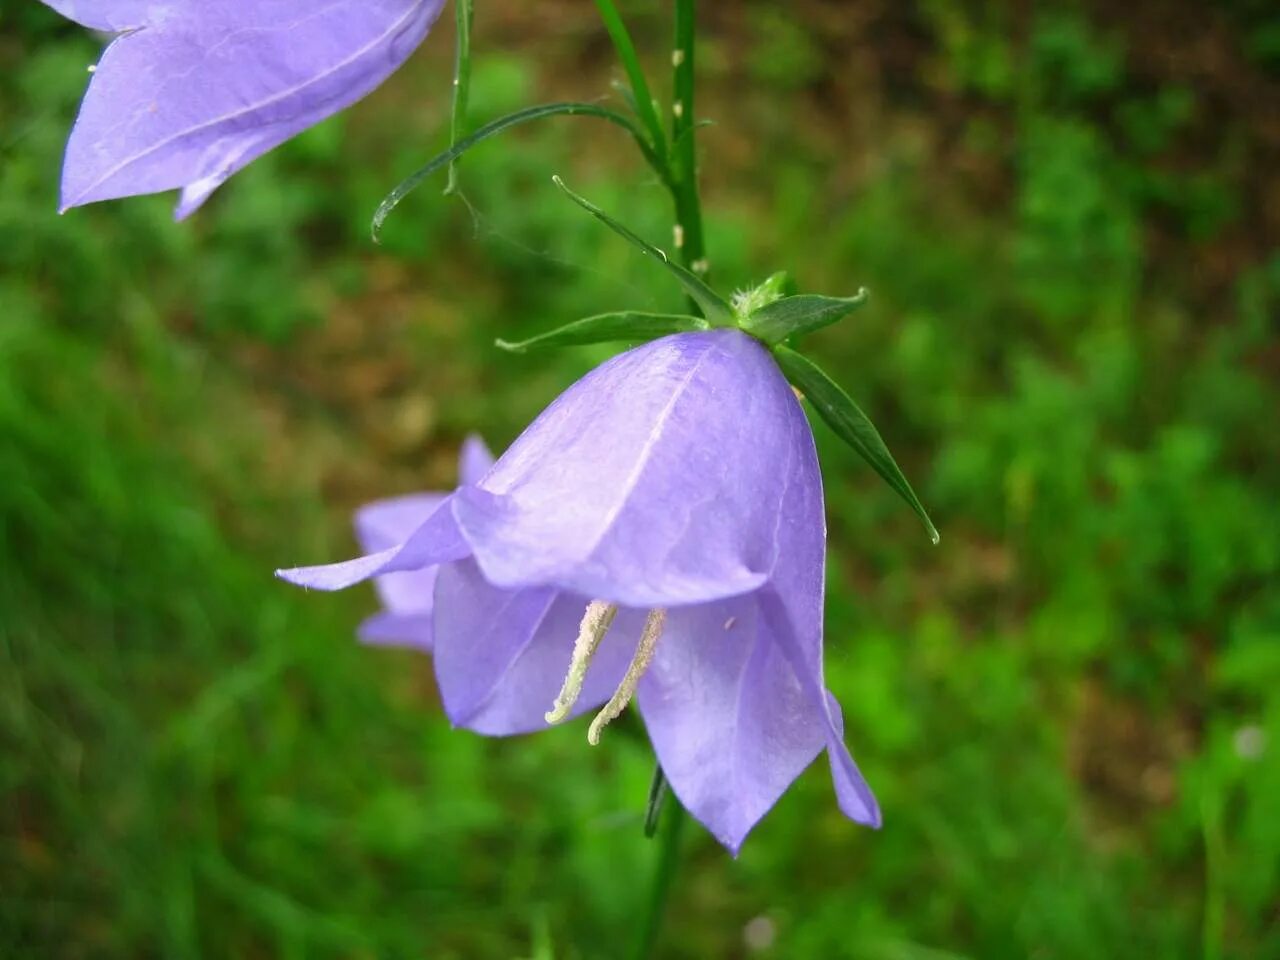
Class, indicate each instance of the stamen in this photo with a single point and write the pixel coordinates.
(653, 625)
(595, 624)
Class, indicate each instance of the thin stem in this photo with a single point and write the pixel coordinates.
(643, 99)
(673, 820)
(461, 86)
(689, 234)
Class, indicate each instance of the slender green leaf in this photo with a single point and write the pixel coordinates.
(715, 307)
(610, 327)
(463, 10)
(412, 182)
(850, 424)
(792, 316)
(641, 99)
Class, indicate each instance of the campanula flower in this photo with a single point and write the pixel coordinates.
(659, 532)
(191, 91)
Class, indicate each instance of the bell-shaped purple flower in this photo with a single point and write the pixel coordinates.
(193, 90)
(666, 511)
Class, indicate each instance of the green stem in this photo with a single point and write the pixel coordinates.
(684, 145)
(673, 820)
(461, 86)
(642, 98)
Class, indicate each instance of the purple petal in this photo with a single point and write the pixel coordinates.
(653, 481)
(474, 461)
(791, 610)
(202, 90)
(388, 523)
(502, 655)
(436, 541)
(414, 631)
(729, 721)
(113, 16)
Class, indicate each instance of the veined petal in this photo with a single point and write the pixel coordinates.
(195, 95)
(730, 722)
(502, 655)
(436, 541)
(652, 482)
(791, 610)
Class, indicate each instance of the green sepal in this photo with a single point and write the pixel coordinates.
(792, 316)
(609, 328)
(714, 306)
(850, 424)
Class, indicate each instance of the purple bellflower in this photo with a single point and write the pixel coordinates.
(191, 91)
(666, 511)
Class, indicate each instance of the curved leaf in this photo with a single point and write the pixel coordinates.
(412, 182)
(610, 327)
(715, 307)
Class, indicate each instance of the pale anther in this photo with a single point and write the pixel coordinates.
(677, 57)
(595, 624)
(678, 108)
(653, 626)
(678, 231)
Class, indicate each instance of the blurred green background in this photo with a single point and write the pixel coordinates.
(1069, 217)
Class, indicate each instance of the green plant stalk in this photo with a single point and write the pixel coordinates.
(672, 827)
(684, 145)
(463, 9)
(644, 102)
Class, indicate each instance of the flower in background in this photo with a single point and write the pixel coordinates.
(191, 91)
(666, 511)
(408, 596)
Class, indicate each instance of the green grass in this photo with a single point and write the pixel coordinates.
(1069, 710)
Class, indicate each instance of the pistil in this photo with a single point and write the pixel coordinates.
(595, 624)
(653, 627)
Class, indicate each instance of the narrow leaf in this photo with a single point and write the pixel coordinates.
(610, 327)
(715, 307)
(463, 9)
(850, 424)
(792, 316)
(440, 160)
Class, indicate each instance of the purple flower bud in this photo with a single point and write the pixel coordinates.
(193, 90)
(667, 512)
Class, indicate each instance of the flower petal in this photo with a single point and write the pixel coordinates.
(791, 609)
(414, 631)
(113, 16)
(652, 482)
(731, 724)
(388, 523)
(436, 541)
(194, 96)
(474, 461)
(502, 655)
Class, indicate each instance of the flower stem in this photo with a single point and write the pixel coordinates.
(684, 141)
(672, 826)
